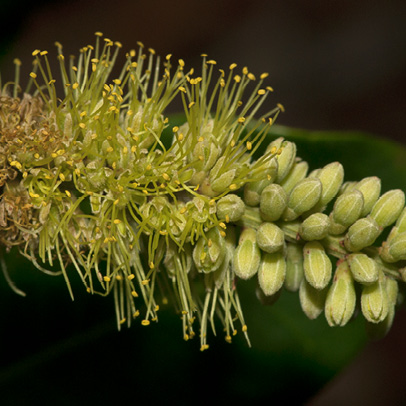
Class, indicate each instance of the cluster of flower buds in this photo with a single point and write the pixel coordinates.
(100, 183)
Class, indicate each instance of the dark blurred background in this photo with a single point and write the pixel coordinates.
(333, 65)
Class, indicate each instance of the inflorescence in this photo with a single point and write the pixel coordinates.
(91, 183)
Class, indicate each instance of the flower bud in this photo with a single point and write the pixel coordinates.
(374, 300)
(222, 182)
(335, 228)
(253, 190)
(388, 208)
(361, 234)
(341, 297)
(285, 159)
(209, 252)
(364, 269)
(401, 222)
(348, 208)
(296, 174)
(317, 265)
(247, 255)
(315, 227)
(392, 289)
(267, 300)
(271, 273)
(397, 247)
(273, 202)
(270, 238)
(370, 189)
(302, 198)
(230, 207)
(331, 178)
(294, 266)
(311, 300)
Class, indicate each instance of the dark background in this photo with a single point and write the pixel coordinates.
(333, 65)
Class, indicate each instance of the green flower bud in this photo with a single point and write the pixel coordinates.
(317, 265)
(302, 198)
(247, 255)
(401, 222)
(270, 238)
(397, 247)
(364, 269)
(370, 189)
(273, 202)
(286, 158)
(253, 190)
(230, 208)
(311, 300)
(388, 208)
(294, 266)
(296, 174)
(374, 300)
(361, 234)
(222, 183)
(271, 273)
(209, 252)
(335, 228)
(348, 207)
(331, 178)
(392, 289)
(315, 227)
(341, 297)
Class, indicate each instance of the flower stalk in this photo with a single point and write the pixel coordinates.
(89, 183)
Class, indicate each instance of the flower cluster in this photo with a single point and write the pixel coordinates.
(100, 182)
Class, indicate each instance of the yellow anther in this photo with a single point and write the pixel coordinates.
(125, 150)
(51, 82)
(68, 193)
(156, 308)
(33, 75)
(118, 44)
(35, 52)
(211, 62)
(191, 104)
(109, 149)
(227, 218)
(233, 186)
(280, 106)
(251, 76)
(75, 85)
(25, 174)
(182, 89)
(244, 328)
(222, 225)
(16, 164)
(131, 277)
(134, 293)
(228, 338)
(33, 195)
(186, 337)
(163, 232)
(106, 278)
(122, 321)
(241, 119)
(175, 129)
(210, 242)
(261, 92)
(183, 210)
(42, 53)
(98, 34)
(17, 61)
(145, 322)
(117, 81)
(223, 233)
(232, 143)
(166, 176)
(116, 202)
(119, 277)
(270, 120)
(151, 265)
(232, 66)
(181, 63)
(77, 171)
(245, 70)
(62, 177)
(136, 314)
(117, 221)
(145, 282)
(180, 137)
(212, 202)
(201, 157)
(249, 145)
(167, 57)
(273, 150)
(234, 332)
